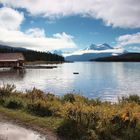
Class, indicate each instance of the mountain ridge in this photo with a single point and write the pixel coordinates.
(92, 52)
(103, 46)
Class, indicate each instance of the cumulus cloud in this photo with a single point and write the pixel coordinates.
(10, 19)
(63, 36)
(36, 32)
(33, 38)
(40, 43)
(118, 13)
(130, 41)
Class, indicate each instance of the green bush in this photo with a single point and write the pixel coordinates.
(44, 108)
(120, 125)
(81, 121)
(56, 108)
(13, 103)
(39, 108)
(100, 122)
(2, 101)
(130, 98)
(51, 97)
(69, 98)
(69, 130)
(34, 94)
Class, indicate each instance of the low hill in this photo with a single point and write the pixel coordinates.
(127, 57)
(31, 55)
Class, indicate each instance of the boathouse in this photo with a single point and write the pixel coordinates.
(13, 60)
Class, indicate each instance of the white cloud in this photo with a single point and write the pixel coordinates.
(41, 43)
(33, 38)
(118, 13)
(35, 32)
(63, 36)
(10, 19)
(130, 41)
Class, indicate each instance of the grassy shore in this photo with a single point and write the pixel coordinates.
(72, 116)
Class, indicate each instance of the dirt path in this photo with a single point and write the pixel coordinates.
(33, 131)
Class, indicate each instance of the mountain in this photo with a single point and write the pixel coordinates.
(99, 47)
(93, 52)
(128, 57)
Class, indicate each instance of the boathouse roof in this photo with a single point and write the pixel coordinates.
(11, 57)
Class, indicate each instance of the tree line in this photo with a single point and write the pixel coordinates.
(31, 55)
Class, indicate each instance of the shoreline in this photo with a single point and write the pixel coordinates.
(43, 62)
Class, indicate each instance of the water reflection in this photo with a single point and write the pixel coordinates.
(12, 132)
(12, 73)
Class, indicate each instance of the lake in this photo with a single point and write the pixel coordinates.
(104, 80)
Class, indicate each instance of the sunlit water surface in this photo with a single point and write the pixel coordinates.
(105, 80)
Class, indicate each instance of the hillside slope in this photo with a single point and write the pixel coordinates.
(128, 57)
(31, 55)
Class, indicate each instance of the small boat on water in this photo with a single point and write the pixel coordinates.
(75, 72)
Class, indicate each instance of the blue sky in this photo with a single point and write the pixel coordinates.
(84, 29)
(70, 26)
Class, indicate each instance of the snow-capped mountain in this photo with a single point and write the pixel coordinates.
(99, 47)
(92, 52)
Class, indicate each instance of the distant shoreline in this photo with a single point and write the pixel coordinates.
(43, 62)
(128, 57)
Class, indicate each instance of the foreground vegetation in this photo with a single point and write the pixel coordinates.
(73, 116)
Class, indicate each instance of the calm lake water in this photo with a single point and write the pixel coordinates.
(105, 80)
